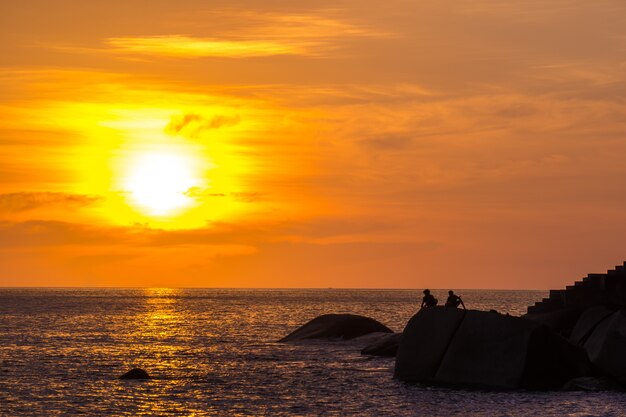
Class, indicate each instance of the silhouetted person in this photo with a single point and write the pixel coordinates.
(428, 300)
(454, 300)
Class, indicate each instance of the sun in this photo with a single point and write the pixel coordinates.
(158, 182)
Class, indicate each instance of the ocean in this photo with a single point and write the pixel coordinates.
(214, 352)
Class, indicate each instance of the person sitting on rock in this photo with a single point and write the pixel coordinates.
(428, 300)
(454, 300)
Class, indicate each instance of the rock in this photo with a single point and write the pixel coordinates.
(135, 373)
(341, 326)
(588, 322)
(386, 346)
(607, 343)
(561, 321)
(593, 384)
(480, 349)
(425, 341)
(368, 339)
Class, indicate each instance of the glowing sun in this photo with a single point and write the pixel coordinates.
(158, 181)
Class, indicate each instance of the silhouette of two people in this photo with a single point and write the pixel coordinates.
(453, 300)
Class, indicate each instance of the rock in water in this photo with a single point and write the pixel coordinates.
(606, 345)
(426, 338)
(135, 373)
(455, 347)
(342, 326)
(368, 339)
(386, 346)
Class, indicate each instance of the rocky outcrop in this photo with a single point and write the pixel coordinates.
(606, 345)
(386, 346)
(135, 373)
(338, 326)
(453, 347)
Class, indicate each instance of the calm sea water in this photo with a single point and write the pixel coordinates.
(214, 352)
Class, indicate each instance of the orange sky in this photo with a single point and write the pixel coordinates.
(410, 144)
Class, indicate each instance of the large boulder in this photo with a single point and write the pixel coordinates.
(587, 323)
(606, 346)
(560, 321)
(426, 338)
(338, 326)
(386, 345)
(454, 347)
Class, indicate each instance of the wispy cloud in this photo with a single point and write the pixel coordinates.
(193, 47)
(251, 35)
(192, 124)
(25, 201)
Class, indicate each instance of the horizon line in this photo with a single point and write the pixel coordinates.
(271, 288)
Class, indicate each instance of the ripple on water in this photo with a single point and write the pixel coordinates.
(214, 352)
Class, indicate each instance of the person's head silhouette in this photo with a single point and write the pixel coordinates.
(450, 292)
(426, 292)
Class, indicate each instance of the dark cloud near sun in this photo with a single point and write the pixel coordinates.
(48, 233)
(202, 194)
(26, 201)
(193, 124)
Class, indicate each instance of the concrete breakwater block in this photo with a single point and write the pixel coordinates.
(606, 345)
(587, 323)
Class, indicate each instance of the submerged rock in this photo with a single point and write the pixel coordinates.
(340, 326)
(607, 343)
(386, 346)
(135, 373)
(480, 349)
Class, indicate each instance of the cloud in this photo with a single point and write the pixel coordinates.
(248, 34)
(37, 233)
(388, 142)
(195, 47)
(200, 193)
(219, 255)
(25, 201)
(192, 124)
(248, 197)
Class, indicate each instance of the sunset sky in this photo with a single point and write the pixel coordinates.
(397, 144)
